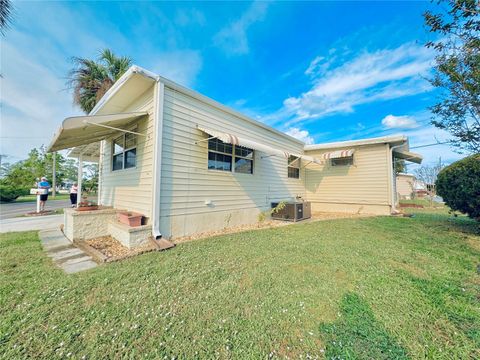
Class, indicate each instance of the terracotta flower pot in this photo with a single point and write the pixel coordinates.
(130, 218)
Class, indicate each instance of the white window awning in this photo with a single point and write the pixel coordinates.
(241, 141)
(89, 152)
(83, 130)
(338, 154)
(407, 155)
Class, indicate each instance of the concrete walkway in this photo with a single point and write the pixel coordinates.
(31, 223)
(66, 256)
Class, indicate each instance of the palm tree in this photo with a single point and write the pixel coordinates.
(6, 9)
(91, 79)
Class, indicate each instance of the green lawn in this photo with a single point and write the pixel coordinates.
(368, 288)
(33, 198)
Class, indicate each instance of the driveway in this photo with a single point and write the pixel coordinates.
(12, 210)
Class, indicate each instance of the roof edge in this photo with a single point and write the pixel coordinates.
(361, 142)
(134, 69)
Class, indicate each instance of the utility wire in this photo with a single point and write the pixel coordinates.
(426, 145)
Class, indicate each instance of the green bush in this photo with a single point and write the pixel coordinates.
(459, 186)
(9, 193)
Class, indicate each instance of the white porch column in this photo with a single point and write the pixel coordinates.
(79, 178)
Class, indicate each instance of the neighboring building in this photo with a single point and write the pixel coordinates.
(405, 186)
(192, 165)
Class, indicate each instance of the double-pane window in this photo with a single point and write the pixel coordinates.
(228, 157)
(343, 161)
(124, 152)
(293, 167)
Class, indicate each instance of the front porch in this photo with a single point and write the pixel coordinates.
(86, 225)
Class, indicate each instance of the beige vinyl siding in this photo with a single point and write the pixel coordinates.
(366, 182)
(186, 182)
(131, 189)
(404, 185)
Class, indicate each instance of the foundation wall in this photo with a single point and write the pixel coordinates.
(379, 209)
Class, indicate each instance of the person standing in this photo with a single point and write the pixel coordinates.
(43, 184)
(74, 194)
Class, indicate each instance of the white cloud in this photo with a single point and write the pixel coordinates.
(181, 66)
(301, 135)
(369, 77)
(233, 39)
(34, 103)
(399, 122)
(35, 61)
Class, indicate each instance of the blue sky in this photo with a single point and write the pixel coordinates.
(320, 71)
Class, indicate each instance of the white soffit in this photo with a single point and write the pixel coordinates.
(408, 156)
(89, 152)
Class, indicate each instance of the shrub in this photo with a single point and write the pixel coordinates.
(459, 186)
(9, 193)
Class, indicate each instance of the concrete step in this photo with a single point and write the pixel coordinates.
(79, 266)
(67, 253)
(72, 258)
(76, 260)
(63, 253)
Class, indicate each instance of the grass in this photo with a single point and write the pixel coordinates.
(424, 202)
(33, 198)
(368, 288)
(54, 212)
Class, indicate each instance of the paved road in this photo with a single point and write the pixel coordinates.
(12, 210)
(31, 223)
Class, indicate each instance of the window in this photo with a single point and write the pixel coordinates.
(293, 167)
(124, 152)
(228, 157)
(343, 161)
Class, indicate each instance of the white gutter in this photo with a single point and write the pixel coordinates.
(372, 141)
(159, 93)
(100, 173)
(118, 84)
(393, 177)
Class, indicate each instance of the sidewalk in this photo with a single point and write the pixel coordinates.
(31, 223)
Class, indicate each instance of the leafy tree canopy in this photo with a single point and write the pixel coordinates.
(459, 186)
(23, 174)
(456, 26)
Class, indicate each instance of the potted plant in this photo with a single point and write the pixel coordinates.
(86, 205)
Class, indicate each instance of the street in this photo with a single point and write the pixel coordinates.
(12, 210)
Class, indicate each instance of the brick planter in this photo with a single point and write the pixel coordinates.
(130, 218)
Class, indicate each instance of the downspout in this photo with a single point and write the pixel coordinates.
(394, 180)
(100, 174)
(159, 92)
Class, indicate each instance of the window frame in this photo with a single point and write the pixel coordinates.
(233, 156)
(289, 166)
(124, 151)
(332, 161)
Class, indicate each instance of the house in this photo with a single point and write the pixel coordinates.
(192, 165)
(405, 184)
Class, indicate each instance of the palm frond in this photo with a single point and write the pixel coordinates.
(6, 12)
(91, 79)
